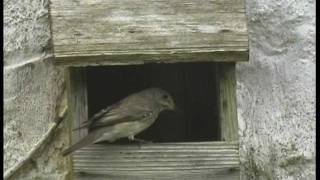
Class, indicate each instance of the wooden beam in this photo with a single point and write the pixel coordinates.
(209, 174)
(141, 31)
(199, 160)
(78, 101)
(227, 101)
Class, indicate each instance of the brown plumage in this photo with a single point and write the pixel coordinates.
(125, 118)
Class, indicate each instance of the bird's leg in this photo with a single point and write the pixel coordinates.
(142, 140)
(132, 138)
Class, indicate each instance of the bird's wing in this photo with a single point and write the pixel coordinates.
(104, 111)
(97, 116)
(123, 111)
(119, 115)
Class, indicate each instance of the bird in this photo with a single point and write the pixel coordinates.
(125, 118)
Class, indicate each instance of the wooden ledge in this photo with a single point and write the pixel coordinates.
(111, 32)
(213, 159)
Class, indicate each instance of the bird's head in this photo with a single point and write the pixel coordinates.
(164, 99)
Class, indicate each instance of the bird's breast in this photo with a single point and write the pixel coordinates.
(125, 129)
(132, 128)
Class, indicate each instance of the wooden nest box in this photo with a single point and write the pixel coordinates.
(131, 32)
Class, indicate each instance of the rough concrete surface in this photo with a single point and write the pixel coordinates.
(26, 29)
(32, 94)
(275, 92)
(32, 90)
(48, 164)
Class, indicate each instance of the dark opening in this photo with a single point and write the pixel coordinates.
(193, 87)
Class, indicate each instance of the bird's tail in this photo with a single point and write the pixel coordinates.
(87, 140)
(80, 127)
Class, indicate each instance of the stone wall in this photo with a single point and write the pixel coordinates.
(33, 92)
(275, 92)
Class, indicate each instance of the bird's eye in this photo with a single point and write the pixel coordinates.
(165, 96)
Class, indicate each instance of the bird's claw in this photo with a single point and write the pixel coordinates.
(143, 141)
(139, 140)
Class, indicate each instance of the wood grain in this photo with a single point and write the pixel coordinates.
(213, 160)
(78, 101)
(227, 101)
(232, 174)
(111, 32)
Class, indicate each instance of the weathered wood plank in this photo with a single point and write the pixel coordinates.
(208, 160)
(142, 31)
(78, 101)
(211, 174)
(227, 102)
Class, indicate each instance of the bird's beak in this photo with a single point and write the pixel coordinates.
(172, 107)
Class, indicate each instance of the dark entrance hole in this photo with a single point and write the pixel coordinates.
(193, 86)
